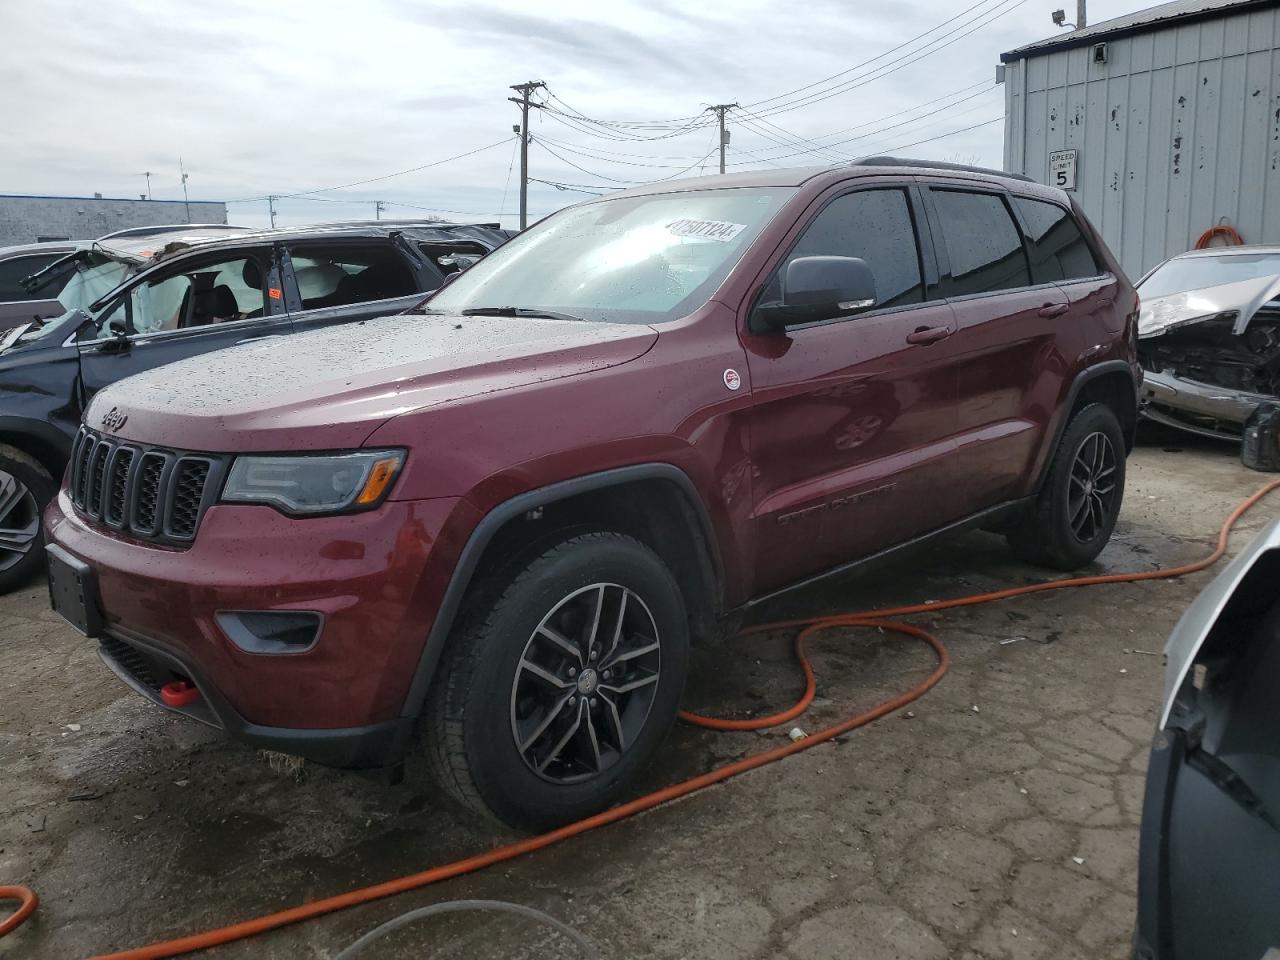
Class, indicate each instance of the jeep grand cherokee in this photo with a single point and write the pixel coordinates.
(482, 536)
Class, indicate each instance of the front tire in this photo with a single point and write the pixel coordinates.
(1076, 509)
(25, 490)
(562, 684)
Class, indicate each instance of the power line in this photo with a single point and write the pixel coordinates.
(790, 139)
(764, 134)
(783, 102)
(388, 176)
(942, 136)
(626, 125)
(578, 150)
(879, 73)
(575, 187)
(985, 84)
(624, 130)
(858, 66)
(863, 136)
(507, 186)
(617, 180)
(404, 203)
(632, 158)
(754, 157)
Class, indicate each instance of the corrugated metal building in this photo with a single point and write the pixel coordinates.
(26, 219)
(1174, 117)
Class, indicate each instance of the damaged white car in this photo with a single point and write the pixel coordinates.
(1209, 339)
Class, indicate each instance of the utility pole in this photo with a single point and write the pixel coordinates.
(1081, 20)
(186, 202)
(524, 103)
(377, 209)
(720, 109)
(271, 209)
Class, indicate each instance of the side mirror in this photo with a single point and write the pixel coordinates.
(819, 288)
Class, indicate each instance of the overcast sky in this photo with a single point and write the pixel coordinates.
(288, 96)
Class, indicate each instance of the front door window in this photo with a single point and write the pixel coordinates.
(220, 292)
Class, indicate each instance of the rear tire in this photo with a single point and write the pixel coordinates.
(1076, 509)
(561, 683)
(25, 490)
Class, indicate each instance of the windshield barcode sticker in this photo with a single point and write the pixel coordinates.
(706, 229)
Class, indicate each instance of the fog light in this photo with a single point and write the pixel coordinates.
(271, 631)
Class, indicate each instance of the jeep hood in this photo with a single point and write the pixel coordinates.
(1243, 298)
(331, 388)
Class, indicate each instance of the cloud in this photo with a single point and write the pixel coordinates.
(261, 98)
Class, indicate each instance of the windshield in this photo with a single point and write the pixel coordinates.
(629, 260)
(1195, 273)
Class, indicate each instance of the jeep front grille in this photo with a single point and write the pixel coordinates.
(148, 492)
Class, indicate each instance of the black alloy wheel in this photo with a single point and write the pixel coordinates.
(585, 683)
(1091, 496)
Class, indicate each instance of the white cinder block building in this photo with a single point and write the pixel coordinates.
(1163, 123)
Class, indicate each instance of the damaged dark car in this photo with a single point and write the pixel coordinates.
(1209, 340)
(139, 302)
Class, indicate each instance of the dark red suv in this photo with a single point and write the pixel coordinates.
(483, 534)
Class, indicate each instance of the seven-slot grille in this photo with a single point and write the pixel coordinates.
(148, 492)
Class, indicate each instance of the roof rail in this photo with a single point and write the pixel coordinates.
(935, 165)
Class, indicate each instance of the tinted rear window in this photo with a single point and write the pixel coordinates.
(1059, 250)
(983, 245)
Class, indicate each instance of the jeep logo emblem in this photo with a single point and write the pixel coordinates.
(114, 420)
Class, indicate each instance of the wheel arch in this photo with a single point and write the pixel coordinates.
(657, 503)
(44, 443)
(1111, 382)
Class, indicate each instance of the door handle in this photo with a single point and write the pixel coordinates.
(924, 335)
(1054, 309)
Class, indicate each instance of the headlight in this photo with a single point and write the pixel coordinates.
(315, 483)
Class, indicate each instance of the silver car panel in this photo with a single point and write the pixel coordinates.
(1198, 620)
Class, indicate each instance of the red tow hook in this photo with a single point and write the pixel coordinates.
(179, 693)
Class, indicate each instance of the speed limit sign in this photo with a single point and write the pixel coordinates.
(1062, 169)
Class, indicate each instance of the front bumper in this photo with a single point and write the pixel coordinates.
(1198, 407)
(376, 578)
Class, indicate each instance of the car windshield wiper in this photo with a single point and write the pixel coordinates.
(516, 312)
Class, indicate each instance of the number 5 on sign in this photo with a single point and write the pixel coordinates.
(1062, 169)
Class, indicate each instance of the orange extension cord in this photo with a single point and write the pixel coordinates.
(870, 618)
(1231, 234)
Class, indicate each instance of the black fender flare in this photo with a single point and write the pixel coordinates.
(1083, 379)
(469, 559)
(43, 435)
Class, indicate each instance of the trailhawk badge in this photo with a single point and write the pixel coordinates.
(114, 420)
(731, 379)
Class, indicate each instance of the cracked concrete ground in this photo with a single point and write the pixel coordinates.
(997, 820)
